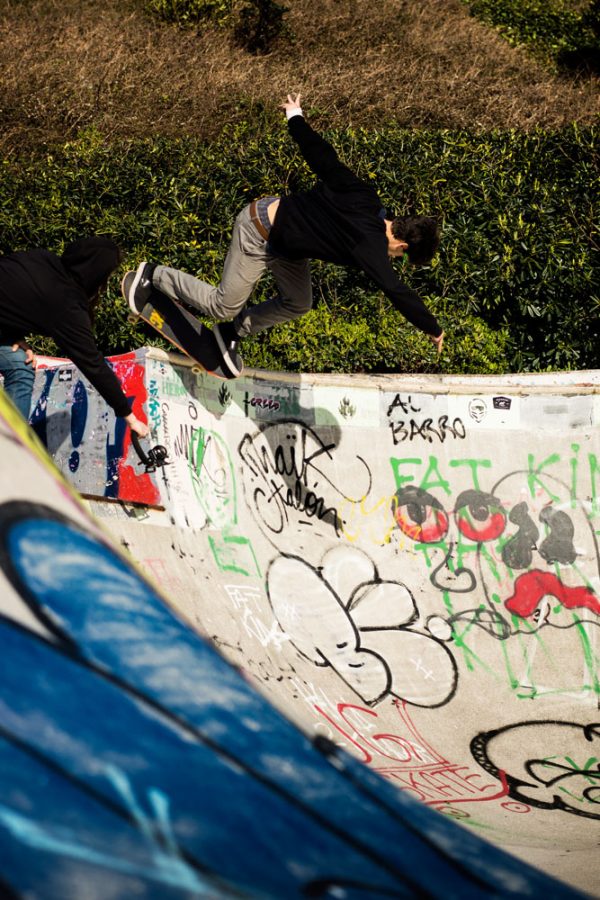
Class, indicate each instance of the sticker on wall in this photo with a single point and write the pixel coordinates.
(478, 409)
(485, 412)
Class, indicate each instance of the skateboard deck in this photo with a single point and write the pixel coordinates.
(183, 330)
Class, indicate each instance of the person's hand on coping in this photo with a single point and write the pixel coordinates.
(30, 357)
(438, 341)
(139, 427)
(292, 105)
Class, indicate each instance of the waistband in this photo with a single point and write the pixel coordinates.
(259, 215)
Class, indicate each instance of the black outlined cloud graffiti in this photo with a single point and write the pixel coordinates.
(342, 615)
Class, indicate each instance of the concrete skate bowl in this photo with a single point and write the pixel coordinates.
(343, 644)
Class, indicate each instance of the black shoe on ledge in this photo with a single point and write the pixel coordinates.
(228, 348)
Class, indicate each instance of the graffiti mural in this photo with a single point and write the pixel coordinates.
(134, 757)
(290, 477)
(521, 559)
(83, 435)
(408, 568)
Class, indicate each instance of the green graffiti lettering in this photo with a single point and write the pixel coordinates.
(440, 482)
(591, 660)
(574, 465)
(534, 476)
(491, 563)
(213, 477)
(463, 550)
(473, 465)
(594, 473)
(426, 549)
(592, 763)
(403, 479)
(234, 554)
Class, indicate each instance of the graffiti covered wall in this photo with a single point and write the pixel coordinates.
(83, 436)
(136, 762)
(409, 568)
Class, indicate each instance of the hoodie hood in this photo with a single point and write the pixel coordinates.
(90, 261)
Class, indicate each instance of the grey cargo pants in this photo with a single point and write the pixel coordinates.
(247, 260)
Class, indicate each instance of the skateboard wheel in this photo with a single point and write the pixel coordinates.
(197, 370)
(132, 318)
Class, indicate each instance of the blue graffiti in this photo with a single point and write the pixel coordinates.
(38, 418)
(79, 411)
(114, 454)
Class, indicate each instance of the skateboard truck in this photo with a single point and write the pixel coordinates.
(156, 457)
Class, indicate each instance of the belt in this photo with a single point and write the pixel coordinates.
(257, 223)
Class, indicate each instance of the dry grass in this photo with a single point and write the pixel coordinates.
(66, 64)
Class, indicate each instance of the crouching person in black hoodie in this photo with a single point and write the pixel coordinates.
(42, 293)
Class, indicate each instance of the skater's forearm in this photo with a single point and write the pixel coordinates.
(318, 153)
(76, 340)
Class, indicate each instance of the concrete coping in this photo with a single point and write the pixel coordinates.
(566, 383)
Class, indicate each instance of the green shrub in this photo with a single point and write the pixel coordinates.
(255, 24)
(259, 24)
(190, 12)
(562, 31)
(375, 339)
(515, 284)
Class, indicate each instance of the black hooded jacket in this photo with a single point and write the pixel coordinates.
(341, 221)
(41, 293)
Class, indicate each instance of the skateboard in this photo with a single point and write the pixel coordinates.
(182, 329)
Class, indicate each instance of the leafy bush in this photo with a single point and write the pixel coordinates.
(255, 24)
(191, 12)
(515, 284)
(259, 24)
(562, 31)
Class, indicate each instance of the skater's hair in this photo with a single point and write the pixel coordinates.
(421, 233)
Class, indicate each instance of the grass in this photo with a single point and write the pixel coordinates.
(69, 64)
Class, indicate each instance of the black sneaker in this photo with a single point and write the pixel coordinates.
(228, 349)
(137, 287)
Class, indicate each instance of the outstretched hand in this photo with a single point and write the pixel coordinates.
(292, 104)
(438, 341)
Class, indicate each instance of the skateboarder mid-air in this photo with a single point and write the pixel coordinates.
(340, 220)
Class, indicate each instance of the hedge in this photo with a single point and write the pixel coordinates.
(515, 284)
(563, 32)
